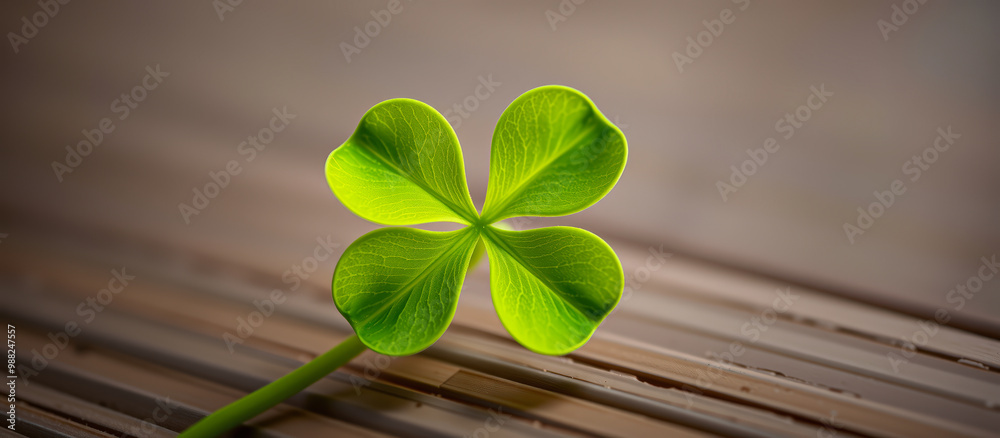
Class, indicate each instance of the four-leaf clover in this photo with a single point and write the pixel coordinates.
(553, 154)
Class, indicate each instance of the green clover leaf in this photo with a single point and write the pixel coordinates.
(552, 286)
(553, 154)
(402, 166)
(399, 286)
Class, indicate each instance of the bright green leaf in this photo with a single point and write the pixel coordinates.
(553, 154)
(402, 166)
(398, 287)
(552, 286)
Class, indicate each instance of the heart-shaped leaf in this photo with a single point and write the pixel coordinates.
(552, 286)
(398, 287)
(402, 166)
(553, 154)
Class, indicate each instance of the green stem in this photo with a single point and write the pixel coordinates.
(277, 391)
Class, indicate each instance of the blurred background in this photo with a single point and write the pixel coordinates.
(854, 95)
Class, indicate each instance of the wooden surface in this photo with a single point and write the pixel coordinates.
(832, 361)
(673, 371)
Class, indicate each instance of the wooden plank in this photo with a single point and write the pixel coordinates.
(84, 412)
(247, 369)
(725, 286)
(504, 358)
(4, 432)
(823, 376)
(35, 422)
(704, 376)
(556, 408)
(147, 386)
(159, 397)
(928, 373)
